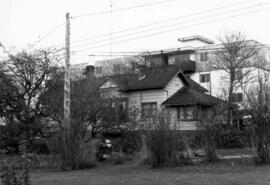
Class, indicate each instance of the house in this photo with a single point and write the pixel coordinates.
(157, 89)
(194, 58)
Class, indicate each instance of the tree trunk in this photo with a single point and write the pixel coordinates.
(262, 151)
(210, 149)
(230, 100)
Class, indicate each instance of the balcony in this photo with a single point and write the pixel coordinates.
(188, 66)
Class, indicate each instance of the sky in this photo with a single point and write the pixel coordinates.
(127, 26)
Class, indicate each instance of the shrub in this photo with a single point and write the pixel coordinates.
(231, 137)
(128, 143)
(165, 143)
(40, 146)
(9, 174)
(55, 143)
(117, 158)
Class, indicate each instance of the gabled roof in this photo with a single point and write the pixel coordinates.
(195, 85)
(152, 78)
(191, 96)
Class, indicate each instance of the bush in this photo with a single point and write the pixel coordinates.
(128, 143)
(40, 146)
(165, 144)
(9, 174)
(117, 158)
(234, 138)
(55, 143)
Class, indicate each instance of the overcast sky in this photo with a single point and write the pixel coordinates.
(24, 22)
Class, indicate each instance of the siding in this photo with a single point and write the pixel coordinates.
(173, 86)
(138, 97)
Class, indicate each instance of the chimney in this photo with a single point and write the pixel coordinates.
(89, 71)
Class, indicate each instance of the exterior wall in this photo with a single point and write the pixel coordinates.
(115, 66)
(173, 86)
(181, 125)
(111, 90)
(135, 99)
(219, 80)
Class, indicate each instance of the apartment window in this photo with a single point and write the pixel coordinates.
(149, 110)
(237, 97)
(186, 113)
(238, 74)
(116, 68)
(99, 69)
(205, 78)
(204, 57)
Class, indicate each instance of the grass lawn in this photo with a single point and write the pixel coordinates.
(219, 174)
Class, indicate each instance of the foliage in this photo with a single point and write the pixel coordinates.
(90, 112)
(232, 137)
(23, 79)
(129, 142)
(9, 174)
(117, 158)
(165, 143)
(211, 121)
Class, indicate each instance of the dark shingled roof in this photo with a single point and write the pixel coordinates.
(152, 78)
(195, 85)
(190, 96)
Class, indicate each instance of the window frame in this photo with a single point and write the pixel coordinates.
(192, 115)
(204, 76)
(204, 56)
(149, 112)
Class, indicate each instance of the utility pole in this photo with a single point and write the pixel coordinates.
(66, 125)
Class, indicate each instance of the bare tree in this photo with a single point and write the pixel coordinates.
(235, 59)
(25, 77)
(258, 110)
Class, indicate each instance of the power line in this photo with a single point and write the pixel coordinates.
(159, 22)
(171, 25)
(170, 30)
(47, 34)
(212, 47)
(120, 9)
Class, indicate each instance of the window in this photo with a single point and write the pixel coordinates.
(116, 68)
(237, 97)
(238, 74)
(204, 78)
(149, 109)
(204, 57)
(99, 69)
(186, 113)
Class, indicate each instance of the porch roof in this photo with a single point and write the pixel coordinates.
(191, 96)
